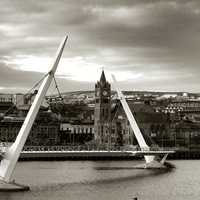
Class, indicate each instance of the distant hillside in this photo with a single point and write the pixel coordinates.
(130, 93)
(77, 92)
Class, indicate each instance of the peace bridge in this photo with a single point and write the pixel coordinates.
(154, 158)
(87, 152)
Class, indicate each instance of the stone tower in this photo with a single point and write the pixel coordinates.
(102, 113)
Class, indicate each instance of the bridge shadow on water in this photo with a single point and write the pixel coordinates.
(169, 167)
(139, 175)
(123, 176)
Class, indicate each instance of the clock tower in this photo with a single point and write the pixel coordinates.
(102, 112)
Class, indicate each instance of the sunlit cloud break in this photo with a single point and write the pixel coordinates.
(76, 68)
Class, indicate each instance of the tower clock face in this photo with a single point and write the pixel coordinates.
(105, 93)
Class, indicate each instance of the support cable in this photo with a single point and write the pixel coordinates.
(28, 92)
(57, 88)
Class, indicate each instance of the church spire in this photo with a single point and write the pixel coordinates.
(103, 78)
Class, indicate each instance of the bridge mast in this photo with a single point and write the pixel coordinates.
(140, 139)
(12, 154)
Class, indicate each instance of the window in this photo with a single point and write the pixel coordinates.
(105, 101)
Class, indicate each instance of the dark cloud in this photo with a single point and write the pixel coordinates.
(13, 81)
(157, 38)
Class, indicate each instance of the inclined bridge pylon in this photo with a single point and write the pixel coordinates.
(152, 159)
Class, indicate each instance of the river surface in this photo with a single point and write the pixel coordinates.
(99, 180)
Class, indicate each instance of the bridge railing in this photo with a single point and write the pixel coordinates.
(88, 147)
(93, 148)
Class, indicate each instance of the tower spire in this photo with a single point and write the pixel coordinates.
(102, 111)
(103, 77)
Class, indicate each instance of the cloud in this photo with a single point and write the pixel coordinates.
(154, 40)
(13, 81)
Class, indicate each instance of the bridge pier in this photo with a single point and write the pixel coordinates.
(12, 187)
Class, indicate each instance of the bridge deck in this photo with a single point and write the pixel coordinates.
(105, 151)
(87, 154)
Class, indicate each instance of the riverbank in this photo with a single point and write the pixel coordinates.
(185, 155)
(73, 155)
(76, 155)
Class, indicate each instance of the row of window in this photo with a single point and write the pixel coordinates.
(12, 132)
(78, 130)
(5, 99)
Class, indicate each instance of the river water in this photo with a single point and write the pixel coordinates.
(99, 180)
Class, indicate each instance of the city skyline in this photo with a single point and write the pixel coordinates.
(148, 45)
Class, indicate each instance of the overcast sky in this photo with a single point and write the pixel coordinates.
(148, 44)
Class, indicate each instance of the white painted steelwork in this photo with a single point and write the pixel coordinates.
(12, 154)
(132, 121)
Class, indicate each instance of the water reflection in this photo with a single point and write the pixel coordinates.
(116, 180)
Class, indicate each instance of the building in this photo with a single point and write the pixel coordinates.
(41, 134)
(151, 123)
(102, 112)
(18, 99)
(6, 102)
(76, 133)
(111, 125)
